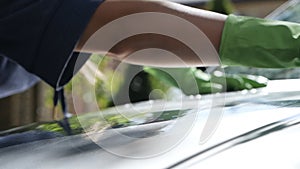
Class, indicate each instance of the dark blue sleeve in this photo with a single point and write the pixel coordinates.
(40, 35)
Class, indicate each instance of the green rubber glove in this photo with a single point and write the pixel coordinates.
(192, 81)
(254, 42)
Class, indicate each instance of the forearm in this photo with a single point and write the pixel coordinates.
(211, 24)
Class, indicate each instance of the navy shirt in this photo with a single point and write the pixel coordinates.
(37, 38)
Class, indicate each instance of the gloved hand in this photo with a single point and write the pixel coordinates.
(254, 42)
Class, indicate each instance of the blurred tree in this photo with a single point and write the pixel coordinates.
(220, 6)
(136, 86)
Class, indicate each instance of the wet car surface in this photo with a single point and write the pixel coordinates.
(152, 145)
